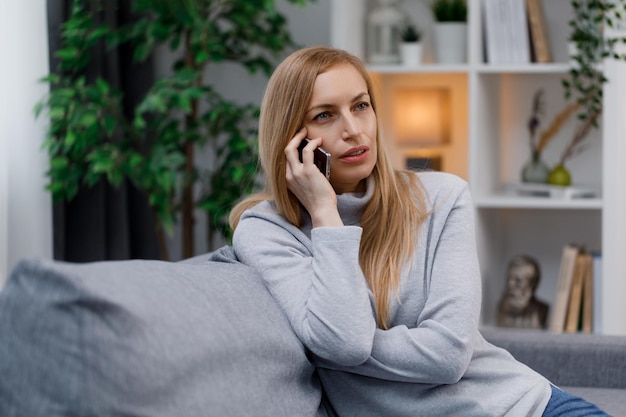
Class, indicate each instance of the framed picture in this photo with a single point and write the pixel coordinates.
(423, 163)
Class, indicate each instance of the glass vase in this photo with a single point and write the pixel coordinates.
(535, 170)
(559, 175)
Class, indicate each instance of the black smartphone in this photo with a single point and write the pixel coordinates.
(321, 158)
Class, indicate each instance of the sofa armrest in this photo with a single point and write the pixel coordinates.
(577, 360)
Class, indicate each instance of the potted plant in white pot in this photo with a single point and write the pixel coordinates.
(450, 30)
(411, 47)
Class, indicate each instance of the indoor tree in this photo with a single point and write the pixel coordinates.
(90, 138)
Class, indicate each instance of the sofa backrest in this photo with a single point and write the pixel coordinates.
(567, 359)
(150, 338)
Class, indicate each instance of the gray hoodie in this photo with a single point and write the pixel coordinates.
(432, 361)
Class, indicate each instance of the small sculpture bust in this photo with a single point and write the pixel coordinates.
(518, 306)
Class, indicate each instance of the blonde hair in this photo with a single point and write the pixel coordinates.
(393, 216)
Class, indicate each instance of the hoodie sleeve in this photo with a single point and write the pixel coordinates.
(318, 283)
(439, 348)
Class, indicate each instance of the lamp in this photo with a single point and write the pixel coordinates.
(384, 24)
(421, 116)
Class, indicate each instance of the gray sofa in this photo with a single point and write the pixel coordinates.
(590, 366)
(201, 337)
(197, 338)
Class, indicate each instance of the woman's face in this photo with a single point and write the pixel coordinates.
(341, 113)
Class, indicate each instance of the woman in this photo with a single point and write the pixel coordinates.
(376, 269)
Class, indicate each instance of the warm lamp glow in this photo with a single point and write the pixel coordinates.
(422, 116)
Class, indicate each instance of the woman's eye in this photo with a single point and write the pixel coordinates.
(322, 116)
(362, 106)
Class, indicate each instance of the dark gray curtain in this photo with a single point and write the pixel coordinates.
(103, 223)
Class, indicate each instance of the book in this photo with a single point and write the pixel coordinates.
(519, 32)
(575, 301)
(588, 297)
(493, 14)
(551, 191)
(597, 293)
(506, 32)
(564, 284)
(538, 31)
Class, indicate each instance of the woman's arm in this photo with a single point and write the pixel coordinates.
(439, 348)
(319, 284)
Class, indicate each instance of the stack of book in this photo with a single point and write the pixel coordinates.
(574, 309)
(515, 32)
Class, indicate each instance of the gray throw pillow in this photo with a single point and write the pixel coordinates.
(148, 338)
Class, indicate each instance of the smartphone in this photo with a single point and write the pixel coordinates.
(321, 158)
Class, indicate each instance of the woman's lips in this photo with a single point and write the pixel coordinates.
(357, 154)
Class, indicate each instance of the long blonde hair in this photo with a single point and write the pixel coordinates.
(393, 216)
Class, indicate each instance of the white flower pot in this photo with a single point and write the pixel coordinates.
(411, 53)
(451, 42)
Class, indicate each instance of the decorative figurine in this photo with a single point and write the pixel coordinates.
(518, 306)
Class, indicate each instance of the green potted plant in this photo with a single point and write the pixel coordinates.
(450, 30)
(411, 47)
(90, 139)
(449, 10)
(585, 80)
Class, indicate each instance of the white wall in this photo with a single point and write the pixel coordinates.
(25, 206)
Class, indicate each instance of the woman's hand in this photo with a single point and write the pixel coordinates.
(309, 185)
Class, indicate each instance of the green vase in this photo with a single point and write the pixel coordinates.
(560, 176)
(535, 170)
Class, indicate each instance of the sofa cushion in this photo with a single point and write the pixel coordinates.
(610, 400)
(567, 359)
(148, 338)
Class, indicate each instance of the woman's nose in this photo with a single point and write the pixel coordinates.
(350, 127)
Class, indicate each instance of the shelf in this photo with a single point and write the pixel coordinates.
(555, 68)
(491, 328)
(425, 68)
(515, 202)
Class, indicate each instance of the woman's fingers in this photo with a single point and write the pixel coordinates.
(309, 149)
(304, 178)
(308, 184)
(291, 150)
(301, 169)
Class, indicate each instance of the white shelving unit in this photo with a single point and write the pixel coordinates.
(489, 146)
